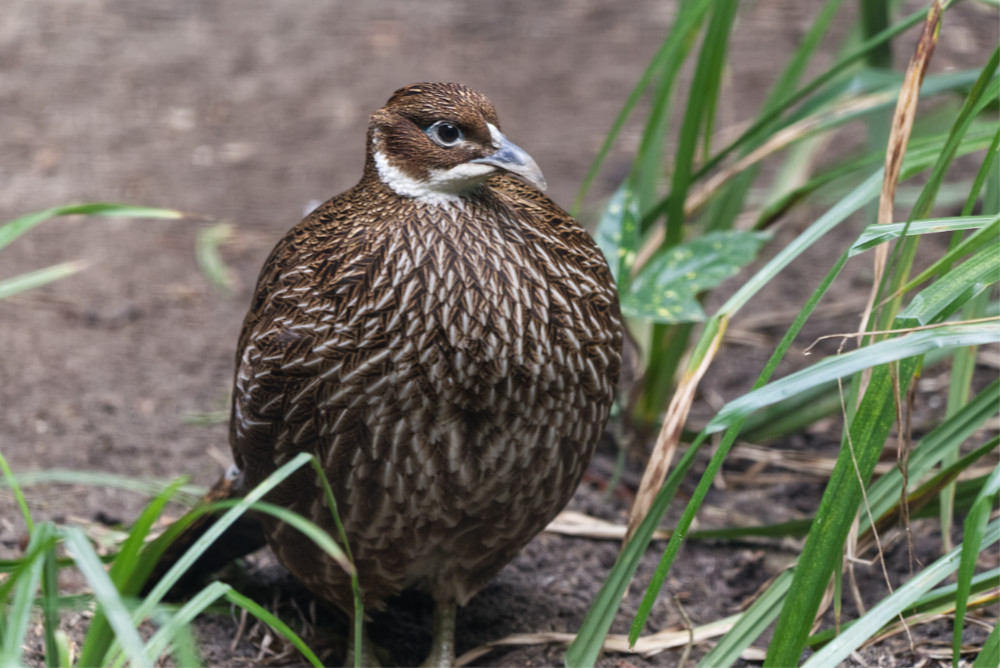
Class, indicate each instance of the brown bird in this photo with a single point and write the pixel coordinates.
(446, 341)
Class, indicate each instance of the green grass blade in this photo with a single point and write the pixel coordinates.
(885, 610)
(842, 366)
(213, 533)
(23, 586)
(10, 480)
(989, 656)
(973, 536)
(586, 647)
(128, 561)
(106, 594)
(724, 209)
(763, 125)
(39, 277)
(750, 625)
(984, 238)
(15, 228)
(874, 235)
(856, 199)
(822, 552)
(677, 537)
(283, 629)
(951, 292)
(933, 448)
(50, 605)
(984, 92)
(708, 73)
(669, 52)
(187, 494)
(162, 639)
(210, 260)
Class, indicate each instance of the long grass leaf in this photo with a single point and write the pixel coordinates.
(841, 366)
(187, 494)
(212, 534)
(106, 594)
(24, 585)
(99, 635)
(841, 647)
(865, 436)
(161, 640)
(973, 536)
(750, 625)
(50, 605)
(283, 629)
(13, 229)
(667, 53)
(677, 537)
(22, 503)
(39, 277)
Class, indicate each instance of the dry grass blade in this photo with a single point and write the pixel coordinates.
(670, 433)
(899, 137)
(580, 525)
(646, 646)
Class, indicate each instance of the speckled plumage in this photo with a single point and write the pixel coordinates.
(450, 359)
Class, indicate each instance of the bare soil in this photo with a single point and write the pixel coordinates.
(246, 112)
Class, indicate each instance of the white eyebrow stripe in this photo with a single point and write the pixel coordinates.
(495, 134)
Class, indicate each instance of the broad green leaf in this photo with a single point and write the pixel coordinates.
(840, 366)
(666, 289)
(721, 451)
(617, 233)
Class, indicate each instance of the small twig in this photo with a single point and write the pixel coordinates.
(690, 628)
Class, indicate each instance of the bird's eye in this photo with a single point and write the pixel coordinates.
(444, 134)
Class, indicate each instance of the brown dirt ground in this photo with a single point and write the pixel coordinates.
(245, 112)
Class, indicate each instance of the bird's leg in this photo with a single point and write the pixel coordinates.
(442, 636)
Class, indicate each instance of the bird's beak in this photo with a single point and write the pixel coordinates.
(514, 159)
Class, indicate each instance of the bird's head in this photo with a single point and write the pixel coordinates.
(437, 141)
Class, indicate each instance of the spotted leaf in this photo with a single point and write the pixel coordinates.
(666, 289)
(618, 232)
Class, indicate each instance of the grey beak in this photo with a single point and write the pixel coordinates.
(514, 159)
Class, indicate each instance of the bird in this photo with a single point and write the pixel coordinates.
(445, 340)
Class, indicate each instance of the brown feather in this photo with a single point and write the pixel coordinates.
(451, 364)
